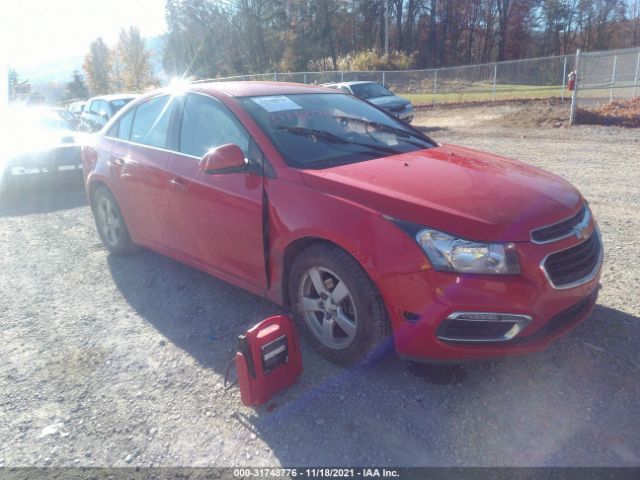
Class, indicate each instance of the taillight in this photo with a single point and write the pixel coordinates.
(89, 157)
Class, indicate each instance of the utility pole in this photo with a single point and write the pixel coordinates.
(386, 29)
(636, 23)
(574, 94)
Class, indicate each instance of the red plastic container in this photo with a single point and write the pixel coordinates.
(268, 359)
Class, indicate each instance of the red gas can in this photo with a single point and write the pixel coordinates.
(572, 81)
(268, 359)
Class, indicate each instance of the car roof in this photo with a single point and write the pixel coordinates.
(358, 82)
(251, 88)
(115, 96)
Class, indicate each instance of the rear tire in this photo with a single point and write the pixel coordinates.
(337, 307)
(110, 223)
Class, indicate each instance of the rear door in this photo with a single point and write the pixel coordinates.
(138, 161)
(217, 218)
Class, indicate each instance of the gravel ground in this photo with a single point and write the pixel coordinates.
(112, 361)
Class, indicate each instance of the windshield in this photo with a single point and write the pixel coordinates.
(370, 90)
(318, 130)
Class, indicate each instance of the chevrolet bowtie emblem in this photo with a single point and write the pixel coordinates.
(581, 230)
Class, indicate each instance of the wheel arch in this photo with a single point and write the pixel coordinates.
(291, 252)
(93, 186)
(96, 182)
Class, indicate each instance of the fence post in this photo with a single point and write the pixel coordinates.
(435, 86)
(574, 94)
(613, 77)
(635, 83)
(384, 84)
(341, 76)
(495, 77)
(275, 76)
(304, 76)
(564, 76)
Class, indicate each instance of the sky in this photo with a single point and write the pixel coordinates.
(38, 32)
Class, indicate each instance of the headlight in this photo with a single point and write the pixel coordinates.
(449, 253)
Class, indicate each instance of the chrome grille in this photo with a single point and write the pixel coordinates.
(560, 230)
(576, 265)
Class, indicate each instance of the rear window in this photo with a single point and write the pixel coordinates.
(370, 90)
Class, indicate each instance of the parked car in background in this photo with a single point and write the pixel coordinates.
(41, 142)
(99, 110)
(77, 107)
(365, 227)
(67, 116)
(378, 95)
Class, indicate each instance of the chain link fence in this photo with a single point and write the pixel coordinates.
(538, 77)
(603, 76)
(607, 76)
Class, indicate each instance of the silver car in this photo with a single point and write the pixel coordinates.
(41, 143)
(378, 95)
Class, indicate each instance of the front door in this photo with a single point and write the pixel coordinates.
(217, 218)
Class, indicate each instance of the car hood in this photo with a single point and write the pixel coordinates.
(26, 142)
(389, 101)
(475, 195)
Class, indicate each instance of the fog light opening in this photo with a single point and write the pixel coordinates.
(411, 316)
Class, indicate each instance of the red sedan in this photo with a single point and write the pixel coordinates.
(366, 228)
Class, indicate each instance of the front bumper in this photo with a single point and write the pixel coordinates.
(61, 158)
(420, 302)
(405, 115)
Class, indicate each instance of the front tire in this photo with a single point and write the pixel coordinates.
(110, 223)
(336, 305)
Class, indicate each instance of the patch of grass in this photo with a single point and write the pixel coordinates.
(485, 93)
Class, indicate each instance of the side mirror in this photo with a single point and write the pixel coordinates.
(223, 159)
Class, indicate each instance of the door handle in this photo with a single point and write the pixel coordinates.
(116, 161)
(177, 184)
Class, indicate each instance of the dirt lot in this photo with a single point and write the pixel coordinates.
(120, 361)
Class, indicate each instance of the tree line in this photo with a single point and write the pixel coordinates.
(214, 38)
(126, 67)
(209, 38)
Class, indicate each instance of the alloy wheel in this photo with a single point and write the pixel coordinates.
(109, 220)
(328, 308)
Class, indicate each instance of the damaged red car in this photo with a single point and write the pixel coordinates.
(369, 231)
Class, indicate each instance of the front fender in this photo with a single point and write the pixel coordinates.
(297, 212)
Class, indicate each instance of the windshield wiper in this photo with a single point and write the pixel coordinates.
(382, 127)
(331, 138)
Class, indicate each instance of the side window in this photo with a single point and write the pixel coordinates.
(206, 124)
(124, 125)
(122, 128)
(151, 122)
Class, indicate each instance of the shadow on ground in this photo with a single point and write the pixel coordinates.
(428, 130)
(567, 405)
(44, 194)
(197, 312)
